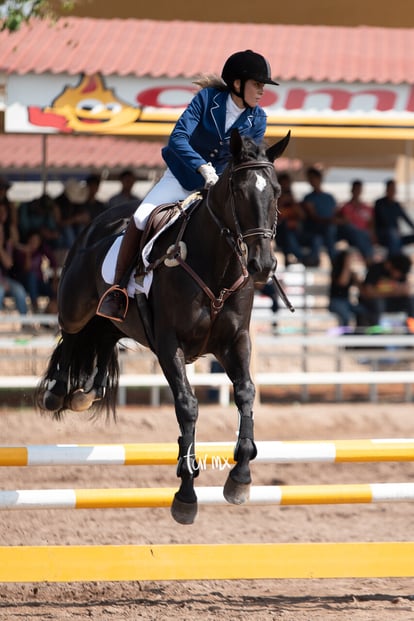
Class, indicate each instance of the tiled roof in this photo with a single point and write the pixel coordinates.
(95, 152)
(24, 151)
(184, 48)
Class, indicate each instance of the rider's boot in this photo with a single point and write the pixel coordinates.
(114, 302)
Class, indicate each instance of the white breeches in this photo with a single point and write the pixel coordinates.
(167, 190)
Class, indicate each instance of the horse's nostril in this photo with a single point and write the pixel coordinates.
(254, 266)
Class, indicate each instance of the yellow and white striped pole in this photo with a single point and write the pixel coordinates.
(215, 454)
(162, 497)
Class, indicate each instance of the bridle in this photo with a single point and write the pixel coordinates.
(238, 236)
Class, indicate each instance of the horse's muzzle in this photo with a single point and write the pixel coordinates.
(258, 271)
(261, 262)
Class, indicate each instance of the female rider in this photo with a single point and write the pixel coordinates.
(197, 152)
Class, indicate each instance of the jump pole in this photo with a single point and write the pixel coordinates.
(206, 562)
(209, 453)
(133, 498)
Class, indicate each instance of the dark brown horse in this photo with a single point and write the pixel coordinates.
(196, 305)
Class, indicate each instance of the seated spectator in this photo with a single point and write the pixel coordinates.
(289, 223)
(127, 179)
(357, 236)
(8, 285)
(343, 279)
(319, 227)
(388, 213)
(30, 262)
(39, 214)
(356, 212)
(386, 289)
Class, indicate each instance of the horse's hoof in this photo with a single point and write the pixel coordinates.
(52, 402)
(236, 493)
(183, 512)
(81, 400)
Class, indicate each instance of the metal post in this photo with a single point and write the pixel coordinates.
(44, 163)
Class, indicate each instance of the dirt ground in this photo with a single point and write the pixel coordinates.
(265, 600)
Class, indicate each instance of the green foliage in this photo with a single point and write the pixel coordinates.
(13, 13)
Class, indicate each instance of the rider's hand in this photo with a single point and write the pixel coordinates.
(209, 173)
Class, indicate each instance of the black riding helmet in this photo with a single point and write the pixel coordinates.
(243, 66)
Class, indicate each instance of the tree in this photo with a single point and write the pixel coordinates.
(15, 12)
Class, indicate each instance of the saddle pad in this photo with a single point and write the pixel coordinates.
(108, 271)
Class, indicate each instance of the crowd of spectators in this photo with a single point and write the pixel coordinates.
(365, 244)
(36, 236)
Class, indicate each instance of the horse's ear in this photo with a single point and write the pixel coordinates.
(235, 143)
(277, 149)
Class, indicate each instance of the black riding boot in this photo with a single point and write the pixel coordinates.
(114, 302)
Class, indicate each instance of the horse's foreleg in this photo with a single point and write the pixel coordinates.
(237, 487)
(184, 506)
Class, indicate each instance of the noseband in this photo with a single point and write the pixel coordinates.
(239, 236)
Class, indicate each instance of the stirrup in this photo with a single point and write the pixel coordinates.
(113, 304)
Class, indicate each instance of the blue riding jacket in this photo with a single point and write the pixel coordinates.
(199, 136)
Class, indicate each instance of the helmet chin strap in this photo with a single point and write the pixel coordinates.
(241, 93)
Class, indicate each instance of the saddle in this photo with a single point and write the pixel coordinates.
(159, 219)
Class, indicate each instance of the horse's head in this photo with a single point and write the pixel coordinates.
(250, 189)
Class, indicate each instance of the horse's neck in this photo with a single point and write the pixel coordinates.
(208, 235)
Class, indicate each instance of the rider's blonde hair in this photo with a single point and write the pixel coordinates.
(211, 80)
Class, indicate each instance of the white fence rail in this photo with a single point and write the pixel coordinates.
(375, 345)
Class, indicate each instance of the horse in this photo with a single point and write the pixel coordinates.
(199, 302)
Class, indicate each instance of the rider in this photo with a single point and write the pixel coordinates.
(197, 152)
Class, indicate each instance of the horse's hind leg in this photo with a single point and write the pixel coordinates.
(100, 388)
(52, 391)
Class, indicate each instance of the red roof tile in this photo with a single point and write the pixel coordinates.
(184, 48)
(25, 151)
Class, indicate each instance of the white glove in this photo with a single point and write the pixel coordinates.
(209, 173)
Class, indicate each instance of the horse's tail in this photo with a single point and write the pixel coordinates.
(83, 361)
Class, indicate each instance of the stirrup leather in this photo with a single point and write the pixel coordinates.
(122, 307)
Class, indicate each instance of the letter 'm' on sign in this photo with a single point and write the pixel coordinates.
(340, 99)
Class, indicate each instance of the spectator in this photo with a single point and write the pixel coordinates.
(5, 186)
(343, 280)
(8, 285)
(29, 269)
(69, 216)
(319, 227)
(354, 223)
(11, 223)
(39, 214)
(358, 213)
(386, 289)
(127, 179)
(92, 207)
(388, 213)
(289, 224)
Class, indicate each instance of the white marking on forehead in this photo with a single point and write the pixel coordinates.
(260, 182)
